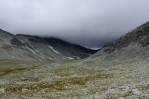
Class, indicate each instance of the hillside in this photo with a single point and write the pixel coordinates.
(134, 44)
(25, 47)
(120, 70)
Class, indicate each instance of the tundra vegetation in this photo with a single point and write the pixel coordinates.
(74, 79)
(120, 70)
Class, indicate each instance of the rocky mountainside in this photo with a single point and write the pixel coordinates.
(25, 47)
(134, 44)
(118, 71)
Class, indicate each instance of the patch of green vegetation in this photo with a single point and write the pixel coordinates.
(109, 50)
(8, 71)
(76, 81)
(56, 85)
(14, 70)
(84, 76)
(1, 60)
(61, 84)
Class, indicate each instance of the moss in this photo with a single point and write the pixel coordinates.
(56, 85)
(76, 81)
(60, 84)
(109, 50)
(8, 71)
(144, 41)
(14, 70)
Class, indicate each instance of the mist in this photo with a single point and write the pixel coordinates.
(90, 23)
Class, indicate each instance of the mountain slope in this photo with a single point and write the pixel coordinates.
(118, 71)
(25, 47)
(134, 44)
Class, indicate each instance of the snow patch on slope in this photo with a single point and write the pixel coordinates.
(76, 57)
(53, 50)
(69, 58)
(37, 51)
(30, 50)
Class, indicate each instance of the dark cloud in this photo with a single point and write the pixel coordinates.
(91, 23)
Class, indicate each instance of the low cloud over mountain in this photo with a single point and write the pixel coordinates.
(91, 23)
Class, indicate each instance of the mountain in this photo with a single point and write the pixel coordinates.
(134, 44)
(26, 47)
(119, 70)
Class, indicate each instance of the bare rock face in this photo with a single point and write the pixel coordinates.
(15, 41)
(144, 41)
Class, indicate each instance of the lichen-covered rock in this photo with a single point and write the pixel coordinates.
(24, 90)
(2, 90)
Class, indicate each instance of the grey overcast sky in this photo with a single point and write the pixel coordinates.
(91, 23)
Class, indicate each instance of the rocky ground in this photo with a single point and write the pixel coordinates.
(74, 80)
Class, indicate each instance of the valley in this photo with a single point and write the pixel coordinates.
(120, 70)
(74, 79)
(33, 48)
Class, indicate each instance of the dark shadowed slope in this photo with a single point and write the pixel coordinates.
(25, 47)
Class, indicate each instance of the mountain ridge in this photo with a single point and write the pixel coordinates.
(119, 70)
(27, 47)
(133, 44)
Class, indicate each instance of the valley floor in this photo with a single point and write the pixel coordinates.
(74, 80)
